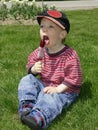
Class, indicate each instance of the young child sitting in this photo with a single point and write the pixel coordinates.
(42, 99)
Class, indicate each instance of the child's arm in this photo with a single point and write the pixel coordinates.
(37, 67)
(34, 64)
(59, 89)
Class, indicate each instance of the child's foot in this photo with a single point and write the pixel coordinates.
(29, 121)
(25, 106)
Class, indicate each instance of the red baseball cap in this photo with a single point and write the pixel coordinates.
(57, 17)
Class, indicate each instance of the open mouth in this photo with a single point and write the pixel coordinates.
(46, 39)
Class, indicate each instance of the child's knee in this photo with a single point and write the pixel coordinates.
(26, 78)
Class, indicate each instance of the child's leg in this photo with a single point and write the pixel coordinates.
(28, 90)
(48, 107)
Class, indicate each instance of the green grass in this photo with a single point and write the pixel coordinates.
(16, 42)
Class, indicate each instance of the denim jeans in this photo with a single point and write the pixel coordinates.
(50, 105)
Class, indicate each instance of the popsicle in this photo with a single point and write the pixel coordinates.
(41, 47)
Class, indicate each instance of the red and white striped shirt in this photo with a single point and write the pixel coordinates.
(62, 67)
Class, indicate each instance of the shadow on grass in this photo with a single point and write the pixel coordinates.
(86, 92)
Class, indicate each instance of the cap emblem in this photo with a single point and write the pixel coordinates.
(54, 13)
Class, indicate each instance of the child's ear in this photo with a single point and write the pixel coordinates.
(63, 34)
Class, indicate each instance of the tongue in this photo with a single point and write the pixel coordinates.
(46, 42)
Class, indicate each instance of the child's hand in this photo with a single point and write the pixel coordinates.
(37, 68)
(59, 89)
(50, 90)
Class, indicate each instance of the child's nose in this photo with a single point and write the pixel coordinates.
(45, 29)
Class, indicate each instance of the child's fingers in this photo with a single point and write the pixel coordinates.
(45, 89)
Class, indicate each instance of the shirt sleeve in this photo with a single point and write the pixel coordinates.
(73, 72)
(32, 59)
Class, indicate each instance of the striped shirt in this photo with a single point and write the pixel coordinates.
(62, 67)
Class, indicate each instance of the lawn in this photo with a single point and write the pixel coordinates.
(17, 41)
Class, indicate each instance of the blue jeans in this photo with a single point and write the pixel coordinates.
(50, 105)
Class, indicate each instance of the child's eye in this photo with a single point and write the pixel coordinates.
(41, 26)
(51, 26)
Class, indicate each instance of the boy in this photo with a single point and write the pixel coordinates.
(42, 100)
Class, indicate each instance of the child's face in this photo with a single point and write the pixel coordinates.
(52, 31)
